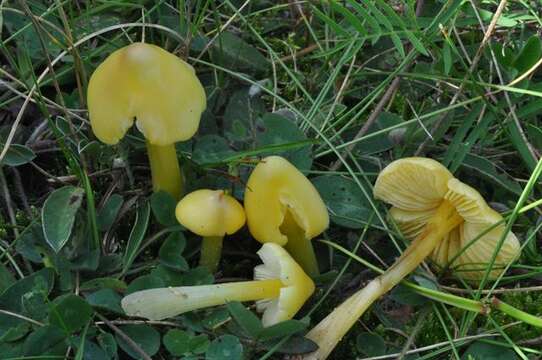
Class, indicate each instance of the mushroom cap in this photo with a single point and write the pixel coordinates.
(413, 183)
(210, 213)
(298, 287)
(274, 187)
(401, 189)
(146, 82)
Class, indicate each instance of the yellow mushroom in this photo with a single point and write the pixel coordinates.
(283, 207)
(441, 215)
(280, 287)
(157, 89)
(210, 214)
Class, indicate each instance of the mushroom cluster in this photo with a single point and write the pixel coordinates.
(445, 219)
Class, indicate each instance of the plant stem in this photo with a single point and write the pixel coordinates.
(162, 303)
(516, 313)
(299, 246)
(211, 250)
(333, 327)
(166, 173)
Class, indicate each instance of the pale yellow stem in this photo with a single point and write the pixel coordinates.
(211, 250)
(166, 173)
(162, 303)
(333, 327)
(299, 246)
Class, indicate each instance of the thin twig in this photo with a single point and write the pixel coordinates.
(125, 337)
(22, 317)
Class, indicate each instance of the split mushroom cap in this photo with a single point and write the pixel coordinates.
(281, 285)
(210, 213)
(417, 186)
(275, 187)
(298, 287)
(145, 82)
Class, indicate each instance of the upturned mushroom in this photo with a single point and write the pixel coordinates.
(280, 289)
(283, 207)
(211, 214)
(441, 215)
(145, 83)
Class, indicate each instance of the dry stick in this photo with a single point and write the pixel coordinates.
(125, 337)
(378, 108)
(474, 64)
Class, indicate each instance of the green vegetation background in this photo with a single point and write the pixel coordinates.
(340, 88)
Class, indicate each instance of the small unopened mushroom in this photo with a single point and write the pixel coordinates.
(280, 287)
(145, 83)
(441, 215)
(211, 214)
(283, 207)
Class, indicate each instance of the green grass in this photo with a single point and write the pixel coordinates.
(300, 79)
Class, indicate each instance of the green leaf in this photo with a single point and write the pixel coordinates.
(46, 340)
(103, 283)
(108, 344)
(529, 55)
(197, 276)
(107, 215)
(232, 52)
(370, 344)
(282, 329)
(344, 199)
(145, 336)
(293, 346)
(245, 318)
(70, 313)
(145, 282)
(41, 282)
(170, 253)
(487, 169)
(6, 278)
(105, 299)
(274, 129)
(136, 235)
(17, 155)
(481, 351)
(58, 215)
(177, 342)
(226, 347)
(351, 18)
(199, 344)
(163, 207)
(211, 149)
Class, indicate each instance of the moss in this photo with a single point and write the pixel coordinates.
(530, 302)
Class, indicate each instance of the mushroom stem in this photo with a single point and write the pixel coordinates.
(166, 173)
(211, 249)
(162, 303)
(299, 246)
(333, 327)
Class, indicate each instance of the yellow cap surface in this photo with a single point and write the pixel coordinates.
(407, 178)
(413, 183)
(145, 82)
(298, 287)
(274, 187)
(210, 213)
